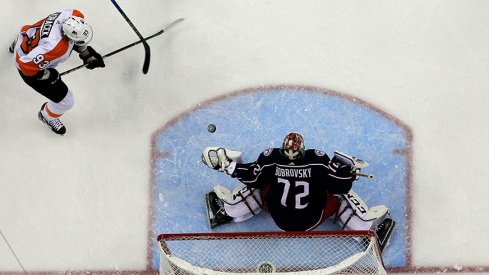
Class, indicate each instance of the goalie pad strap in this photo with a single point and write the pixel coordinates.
(231, 198)
(242, 203)
(339, 214)
(243, 199)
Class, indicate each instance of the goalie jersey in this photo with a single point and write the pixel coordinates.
(295, 193)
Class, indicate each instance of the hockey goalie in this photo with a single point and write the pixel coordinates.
(298, 188)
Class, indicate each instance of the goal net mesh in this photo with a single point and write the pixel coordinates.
(314, 252)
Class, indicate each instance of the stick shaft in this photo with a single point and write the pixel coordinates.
(147, 51)
(127, 46)
(369, 176)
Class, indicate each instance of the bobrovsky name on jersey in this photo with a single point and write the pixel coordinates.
(293, 172)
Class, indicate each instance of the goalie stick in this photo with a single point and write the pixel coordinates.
(147, 52)
(368, 176)
(128, 46)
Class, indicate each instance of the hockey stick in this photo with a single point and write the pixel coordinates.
(368, 176)
(147, 52)
(127, 46)
(13, 252)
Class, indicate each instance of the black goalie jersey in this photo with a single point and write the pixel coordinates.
(295, 193)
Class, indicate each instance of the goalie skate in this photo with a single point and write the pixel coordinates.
(216, 215)
(384, 232)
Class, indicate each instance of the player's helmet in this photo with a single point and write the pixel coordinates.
(77, 30)
(293, 146)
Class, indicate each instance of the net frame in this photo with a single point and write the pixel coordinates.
(175, 265)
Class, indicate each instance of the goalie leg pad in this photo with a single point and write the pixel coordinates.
(354, 214)
(224, 193)
(242, 203)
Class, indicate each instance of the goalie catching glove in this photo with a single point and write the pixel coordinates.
(220, 159)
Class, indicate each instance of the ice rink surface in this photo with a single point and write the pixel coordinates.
(88, 201)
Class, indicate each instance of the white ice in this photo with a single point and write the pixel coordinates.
(80, 202)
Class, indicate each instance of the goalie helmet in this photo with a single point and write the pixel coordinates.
(293, 146)
(77, 30)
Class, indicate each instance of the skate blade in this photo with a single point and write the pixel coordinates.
(210, 216)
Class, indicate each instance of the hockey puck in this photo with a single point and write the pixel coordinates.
(211, 128)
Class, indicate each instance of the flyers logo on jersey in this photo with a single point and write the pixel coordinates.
(48, 24)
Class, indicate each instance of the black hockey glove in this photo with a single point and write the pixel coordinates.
(345, 171)
(92, 59)
(50, 75)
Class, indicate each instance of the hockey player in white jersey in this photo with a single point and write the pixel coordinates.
(40, 47)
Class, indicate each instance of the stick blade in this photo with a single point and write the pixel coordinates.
(147, 57)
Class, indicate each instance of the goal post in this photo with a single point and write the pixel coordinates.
(301, 253)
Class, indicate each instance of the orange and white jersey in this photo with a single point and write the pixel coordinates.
(43, 45)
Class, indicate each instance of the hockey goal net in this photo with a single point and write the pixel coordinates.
(314, 252)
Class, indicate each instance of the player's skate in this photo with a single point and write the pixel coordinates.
(56, 125)
(12, 47)
(384, 232)
(215, 210)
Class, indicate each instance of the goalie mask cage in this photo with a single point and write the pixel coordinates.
(301, 253)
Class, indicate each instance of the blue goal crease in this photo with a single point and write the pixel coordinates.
(251, 122)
